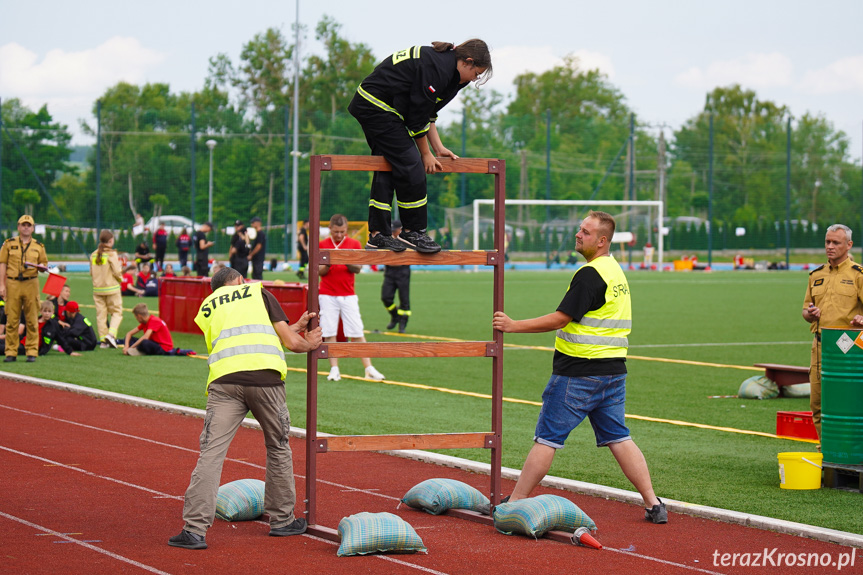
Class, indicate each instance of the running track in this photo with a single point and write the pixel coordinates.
(95, 486)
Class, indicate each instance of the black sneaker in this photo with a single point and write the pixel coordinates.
(10, 358)
(419, 241)
(657, 513)
(188, 540)
(296, 528)
(31, 358)
(382, 242)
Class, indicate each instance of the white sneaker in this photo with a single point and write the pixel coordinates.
(372, 373)
(133, 351)
(335, 374)
(104, 345)
(110, 340)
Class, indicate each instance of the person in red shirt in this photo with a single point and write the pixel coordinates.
(127, 286)
(337, 298)
(156, 340)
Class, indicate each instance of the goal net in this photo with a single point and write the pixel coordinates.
(547, 227)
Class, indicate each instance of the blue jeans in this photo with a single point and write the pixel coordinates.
(566, 401)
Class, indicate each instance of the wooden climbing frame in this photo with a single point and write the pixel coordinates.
(493, 349)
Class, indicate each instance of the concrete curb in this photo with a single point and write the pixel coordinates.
(715, 513)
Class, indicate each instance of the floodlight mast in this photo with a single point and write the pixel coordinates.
(658, 204)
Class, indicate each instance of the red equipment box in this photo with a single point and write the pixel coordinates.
(180, 299)
(795, 424)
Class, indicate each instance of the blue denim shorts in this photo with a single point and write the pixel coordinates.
(566, 401)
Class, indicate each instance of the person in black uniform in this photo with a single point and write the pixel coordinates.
(396, 106)
(202, 250)
(259, 248)
(303, 248)
(79, 336)
(397, 278)
(239, 254)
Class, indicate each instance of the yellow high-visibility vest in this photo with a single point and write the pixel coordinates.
(239, 334)
(601, 333)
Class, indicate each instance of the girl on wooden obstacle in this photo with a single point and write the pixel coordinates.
(396, 106)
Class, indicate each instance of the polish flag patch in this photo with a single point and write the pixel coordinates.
(431, 89)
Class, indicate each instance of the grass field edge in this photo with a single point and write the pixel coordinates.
(572, 485)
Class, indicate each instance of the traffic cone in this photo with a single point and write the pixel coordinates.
(583, 537)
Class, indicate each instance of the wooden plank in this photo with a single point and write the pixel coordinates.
(324, 533)
(379, 164)
(409, 441)
(408, 349)
(408, 257)
(784, 375)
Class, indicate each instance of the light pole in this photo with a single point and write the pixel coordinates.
(211, 144)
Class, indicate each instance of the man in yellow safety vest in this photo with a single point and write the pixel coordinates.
(588, 377)
(245, 328)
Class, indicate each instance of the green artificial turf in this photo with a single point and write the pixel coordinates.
(727, 318)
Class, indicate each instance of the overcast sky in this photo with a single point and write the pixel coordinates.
(663, 55)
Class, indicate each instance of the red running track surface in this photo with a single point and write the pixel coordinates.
(96, 486)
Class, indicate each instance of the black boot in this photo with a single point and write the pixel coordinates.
(403, 323)
(394, 317)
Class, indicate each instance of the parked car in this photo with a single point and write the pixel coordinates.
(173, 224)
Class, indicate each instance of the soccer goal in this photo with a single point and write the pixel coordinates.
(634, 217)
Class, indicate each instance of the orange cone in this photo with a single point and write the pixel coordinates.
(583, 537)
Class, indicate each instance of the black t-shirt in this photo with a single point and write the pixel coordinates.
(241, 248)
(586, 293)
(263, 377)
(260, 239)
(204, 254)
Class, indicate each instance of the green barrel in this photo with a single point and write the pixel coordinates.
(842, 396)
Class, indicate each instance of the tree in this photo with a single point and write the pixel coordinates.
(26, 198)
(748, 152)
(43, 143)
(819, 169)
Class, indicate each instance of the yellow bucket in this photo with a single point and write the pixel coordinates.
(800, 470)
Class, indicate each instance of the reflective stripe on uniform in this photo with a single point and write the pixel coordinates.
(609, 323)
(244, 330)
(593, 339)
(378, 102)
(243, 349)
(410, 205)
(380, 205)
(422, 130)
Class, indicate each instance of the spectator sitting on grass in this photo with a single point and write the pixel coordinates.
(79, 336)
(49, 331)
(127, 286)
(156, 340)
(59, 304)
(186, 271)
(169, 271)
(147, 282)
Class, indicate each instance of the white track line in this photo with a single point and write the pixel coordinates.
(649, 558)
(186, 449)
(160, 495)
(571, 485)
(83, 544)
(167, 496)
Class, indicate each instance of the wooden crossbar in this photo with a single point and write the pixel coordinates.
(379, 164)
(409, 441)
(409, 349)
(407, 257)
